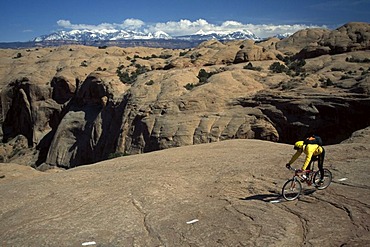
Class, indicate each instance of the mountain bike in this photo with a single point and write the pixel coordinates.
(292, 188)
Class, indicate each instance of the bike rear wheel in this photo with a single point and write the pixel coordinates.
(292, 189)
(326, 179)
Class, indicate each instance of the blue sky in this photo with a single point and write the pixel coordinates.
(24, 20)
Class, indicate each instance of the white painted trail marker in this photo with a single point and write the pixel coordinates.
(88, 243)
(275, 201)
(342, 179)
(192, 221)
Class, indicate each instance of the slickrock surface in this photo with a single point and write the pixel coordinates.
(218, 194)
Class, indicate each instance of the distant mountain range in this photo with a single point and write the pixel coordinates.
(116, 35)
(129, 38)
(100, 35)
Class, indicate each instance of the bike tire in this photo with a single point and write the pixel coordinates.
(291, 189)
(327, 179)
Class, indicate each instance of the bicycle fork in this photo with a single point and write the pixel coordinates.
(293, 183)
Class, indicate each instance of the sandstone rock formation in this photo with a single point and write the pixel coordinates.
(78, 105)
(301, 39)
(350, 37)
(251, 52)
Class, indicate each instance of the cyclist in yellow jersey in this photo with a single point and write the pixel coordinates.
(313, 152)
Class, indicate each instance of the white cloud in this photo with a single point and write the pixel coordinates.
(182, 27)
(68, 25)
(271, 30)
(132, 24)
(185, 27)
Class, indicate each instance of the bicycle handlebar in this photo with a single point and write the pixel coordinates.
(289, 167)
(298, 170)
(293, 169)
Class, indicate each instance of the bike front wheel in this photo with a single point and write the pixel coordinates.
(292, 189)
(325, 182)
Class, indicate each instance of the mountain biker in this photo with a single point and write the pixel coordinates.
(313, 152)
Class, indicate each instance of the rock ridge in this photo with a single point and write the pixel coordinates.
(77, 105)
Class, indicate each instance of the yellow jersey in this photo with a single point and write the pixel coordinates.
(310, 150)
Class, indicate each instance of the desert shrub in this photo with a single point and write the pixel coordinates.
(277, 67)
(194, 56)
(140, 69)
(357, 60)
(125, 77)
(202, 77)
(149, 83)
(294, 67)
(250, 66)
(190, 86)
(83, 63)
(297, 65)
(149, 57)
(280, 57)
(326, 83)
(336, 69)
(343, 77)
(183, 53)
(19, 55)
(128, 78)
(165, 56)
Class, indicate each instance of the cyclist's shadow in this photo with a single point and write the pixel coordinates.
(264, 197)
(273, 196)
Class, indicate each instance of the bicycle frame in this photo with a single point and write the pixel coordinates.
(298, 175)
(308, 172)
(293, 187)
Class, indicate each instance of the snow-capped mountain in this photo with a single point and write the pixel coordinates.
(283, 35)
(116, 35)
(201, 35)
(100, 35)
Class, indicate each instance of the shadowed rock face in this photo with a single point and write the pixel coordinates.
(79, 105)
(63, 90)
(330, 117)
(89, 130)
(28, 111)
